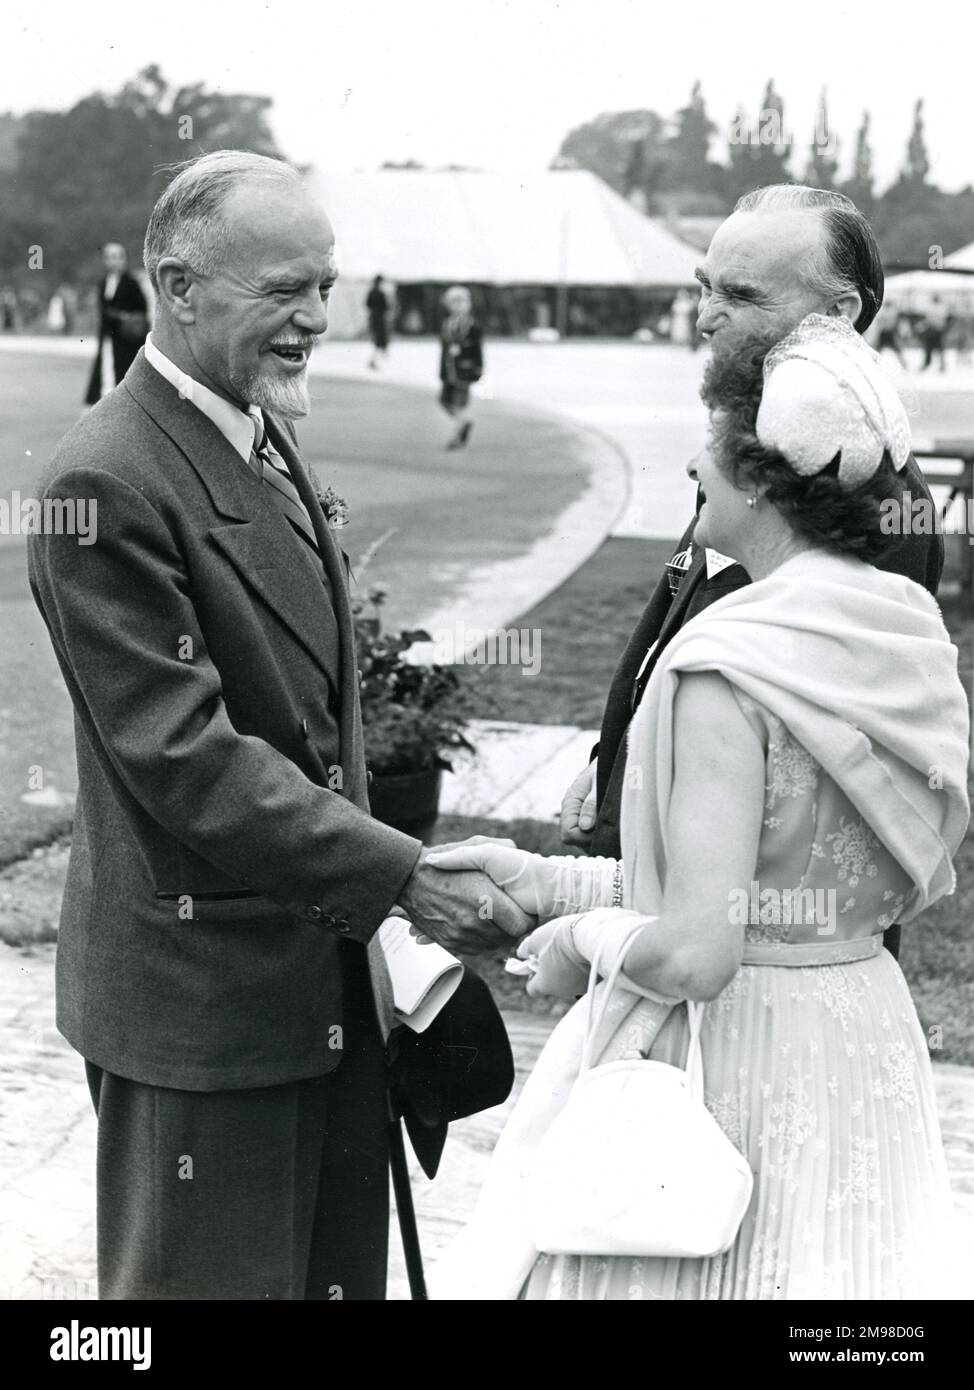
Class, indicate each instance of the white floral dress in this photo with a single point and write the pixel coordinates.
(819, 1073)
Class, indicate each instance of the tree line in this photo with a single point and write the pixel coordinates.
(667, 168)
(71, 180)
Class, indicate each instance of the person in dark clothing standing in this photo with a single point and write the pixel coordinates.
(379, 309)
(461, 362)
(785, 252)
(933, 333)
(123, 323)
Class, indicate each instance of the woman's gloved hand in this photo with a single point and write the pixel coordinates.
(522, 875)
(566, 946)
(542, 885)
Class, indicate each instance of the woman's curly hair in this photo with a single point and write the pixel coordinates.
(819, 508)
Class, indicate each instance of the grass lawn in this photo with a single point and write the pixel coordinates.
(585, 625)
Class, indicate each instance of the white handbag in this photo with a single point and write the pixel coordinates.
(634, 1164)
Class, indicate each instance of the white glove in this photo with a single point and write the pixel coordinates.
(565, 948)
(541, 885)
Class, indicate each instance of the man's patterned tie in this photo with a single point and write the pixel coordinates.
(273, 472)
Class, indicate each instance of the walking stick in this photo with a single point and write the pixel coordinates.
(406, 1211)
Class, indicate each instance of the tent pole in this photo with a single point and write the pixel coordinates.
(561, 309)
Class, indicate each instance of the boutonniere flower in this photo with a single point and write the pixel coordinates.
(334, 507)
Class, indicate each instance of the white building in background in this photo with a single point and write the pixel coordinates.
(913, 291)
(555, 249)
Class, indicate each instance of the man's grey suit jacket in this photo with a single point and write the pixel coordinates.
(210, 659)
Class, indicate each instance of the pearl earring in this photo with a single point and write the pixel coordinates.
(752, 501)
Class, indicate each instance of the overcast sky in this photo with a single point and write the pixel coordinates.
(497, 84)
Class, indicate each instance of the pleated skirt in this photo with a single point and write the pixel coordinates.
(821, 1076)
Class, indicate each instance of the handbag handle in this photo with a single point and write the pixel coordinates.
(695, 1010)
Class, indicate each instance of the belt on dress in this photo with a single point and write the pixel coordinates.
(812, 952)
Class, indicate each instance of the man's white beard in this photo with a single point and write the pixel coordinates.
(286, 396)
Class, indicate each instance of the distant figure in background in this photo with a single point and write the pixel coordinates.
(461, 361)
(56, 317)
(889, 331)
(8, 310)
(933, 330)
(30, 307)
(683, 312)
(69, 303)
(962, 338)
(378, 304)
(123, 323)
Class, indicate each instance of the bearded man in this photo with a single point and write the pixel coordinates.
(218, 964)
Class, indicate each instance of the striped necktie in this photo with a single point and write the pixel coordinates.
(272, 471)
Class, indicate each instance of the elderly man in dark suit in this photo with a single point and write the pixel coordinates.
(217, 963)
(785, 252)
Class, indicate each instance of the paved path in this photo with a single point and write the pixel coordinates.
(519, 771)
(644, 398)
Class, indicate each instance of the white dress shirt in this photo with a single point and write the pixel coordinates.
(717, 562)
(237, 426)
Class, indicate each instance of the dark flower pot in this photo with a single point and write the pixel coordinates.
(408, 801)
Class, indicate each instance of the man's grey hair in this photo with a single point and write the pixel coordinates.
(187, 221)
(849, 259)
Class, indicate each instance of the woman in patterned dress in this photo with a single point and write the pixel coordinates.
(796, 781)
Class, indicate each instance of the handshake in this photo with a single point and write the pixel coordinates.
(482, 893)
(485, 893)
(474, 896)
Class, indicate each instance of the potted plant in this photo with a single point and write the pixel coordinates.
(412, 716)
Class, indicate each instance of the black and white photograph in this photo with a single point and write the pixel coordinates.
(486, 655)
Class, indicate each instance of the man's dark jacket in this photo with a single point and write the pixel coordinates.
(223, 852)
(919, 557)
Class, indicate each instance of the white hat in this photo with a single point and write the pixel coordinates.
(826, 392)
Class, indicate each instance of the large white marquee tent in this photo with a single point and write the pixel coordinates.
(962, 259)
(557, 228)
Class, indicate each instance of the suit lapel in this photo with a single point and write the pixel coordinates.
(697, 592)
(350, 728)
(255, 535)
(676, 613)
(254, 548)
(333, 559)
